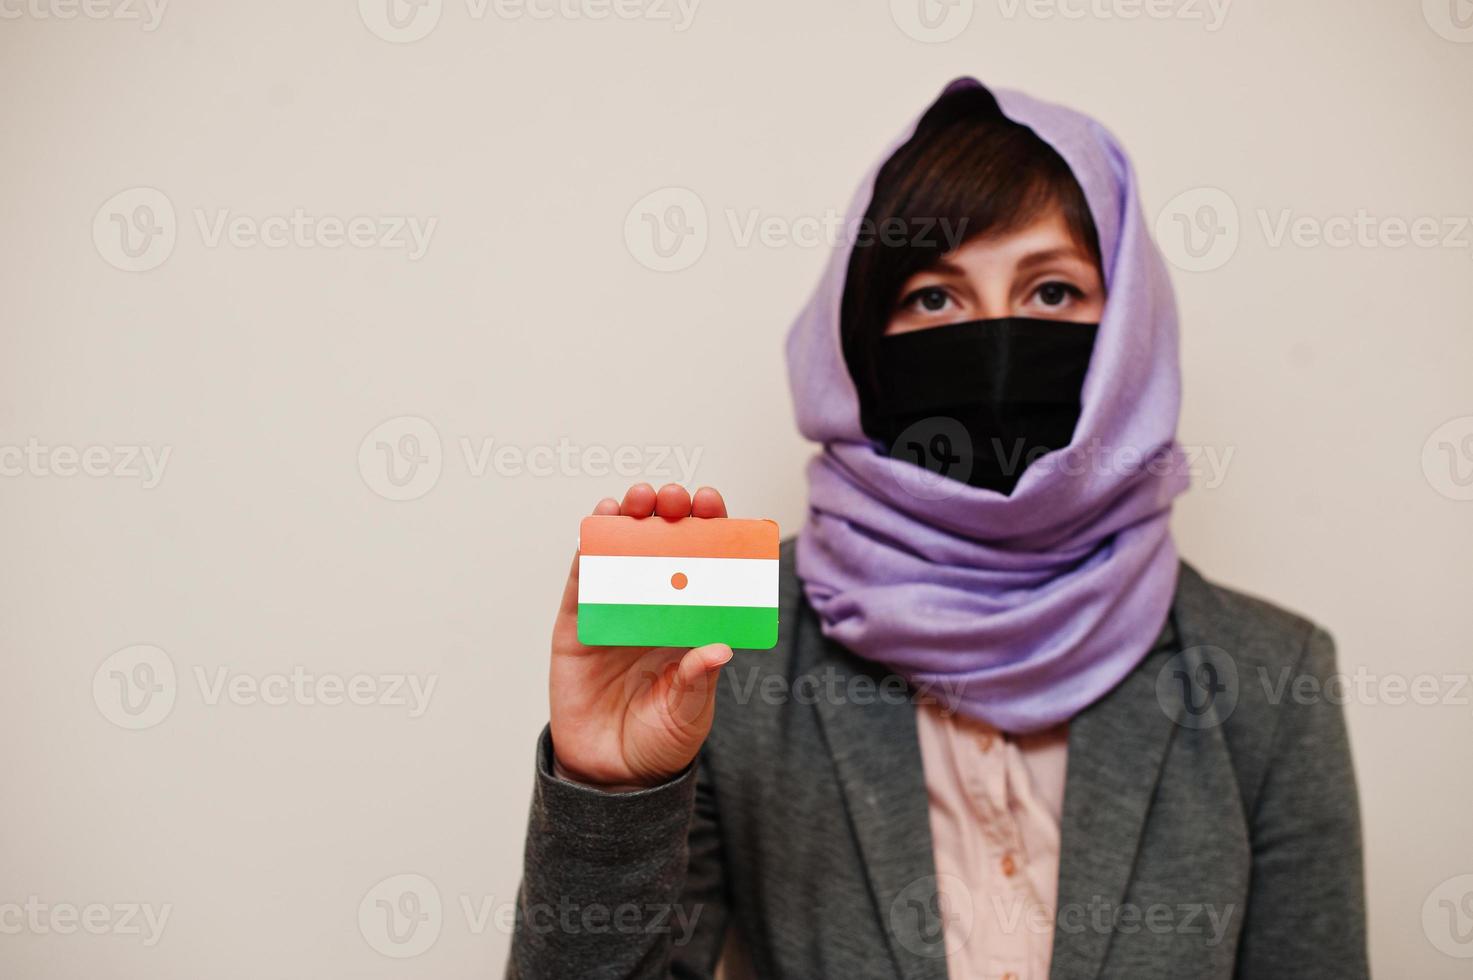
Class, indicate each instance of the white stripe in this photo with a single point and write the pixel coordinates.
(646, 581)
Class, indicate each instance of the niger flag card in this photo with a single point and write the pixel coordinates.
(651, 582)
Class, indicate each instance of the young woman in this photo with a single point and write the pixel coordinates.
(1006, 732)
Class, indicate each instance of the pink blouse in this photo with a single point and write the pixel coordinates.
(995, 806)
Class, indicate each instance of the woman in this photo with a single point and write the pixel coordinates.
(1005, 732)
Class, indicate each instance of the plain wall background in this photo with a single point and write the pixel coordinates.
(267, 547)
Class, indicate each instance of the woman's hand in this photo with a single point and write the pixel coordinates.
(632, 717)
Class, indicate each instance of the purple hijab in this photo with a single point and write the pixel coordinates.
(1016, 610)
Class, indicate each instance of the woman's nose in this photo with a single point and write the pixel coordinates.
(994, 299)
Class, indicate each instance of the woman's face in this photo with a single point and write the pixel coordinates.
(1036, 271)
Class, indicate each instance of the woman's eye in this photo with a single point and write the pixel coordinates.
(932, 299)
(1056, 293)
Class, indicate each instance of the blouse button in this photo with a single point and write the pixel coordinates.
(1009, 976)
(985, 741)
(1009, 866)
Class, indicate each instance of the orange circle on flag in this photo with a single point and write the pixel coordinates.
(679, 580)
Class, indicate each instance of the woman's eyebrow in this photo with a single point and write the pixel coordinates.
(1050, 255)
(944, 267)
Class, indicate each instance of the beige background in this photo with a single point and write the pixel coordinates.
(268, 544)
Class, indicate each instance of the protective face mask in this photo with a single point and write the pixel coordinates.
(979, 401)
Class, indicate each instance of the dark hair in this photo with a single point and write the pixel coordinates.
(967, 171)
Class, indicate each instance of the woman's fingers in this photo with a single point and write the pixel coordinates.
(639, 501)
(673, 502)
(569, 605)
(707, 503)
(693, 687)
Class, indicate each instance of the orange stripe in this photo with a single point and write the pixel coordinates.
(692, 537)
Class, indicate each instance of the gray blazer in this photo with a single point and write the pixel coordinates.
(1210, 824)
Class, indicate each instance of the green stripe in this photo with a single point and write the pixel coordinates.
(620, 625)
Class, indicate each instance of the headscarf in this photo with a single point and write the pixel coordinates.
(1017, 610)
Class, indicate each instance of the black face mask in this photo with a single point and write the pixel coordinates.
(979, 401)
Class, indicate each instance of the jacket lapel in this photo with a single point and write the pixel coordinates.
(1116, 750)
(876, 755)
